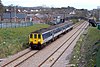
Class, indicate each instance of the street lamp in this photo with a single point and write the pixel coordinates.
(9, 10)
(15, 14)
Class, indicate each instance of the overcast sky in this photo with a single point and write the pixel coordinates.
(87, 4)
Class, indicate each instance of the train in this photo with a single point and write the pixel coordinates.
(40, 38)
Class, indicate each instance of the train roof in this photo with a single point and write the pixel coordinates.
(51, 27)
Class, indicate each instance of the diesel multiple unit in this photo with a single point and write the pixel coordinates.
(40, 37)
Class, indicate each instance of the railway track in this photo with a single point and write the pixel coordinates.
(50, 61)
(18, 59)
(22, 58)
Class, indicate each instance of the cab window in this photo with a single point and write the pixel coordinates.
(31, 35)
(35, 35)
(39, 36)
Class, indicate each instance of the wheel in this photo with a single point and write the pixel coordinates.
(31, 47)
(39, 47)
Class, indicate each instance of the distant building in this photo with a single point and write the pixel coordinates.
(39, 18)
(7, 17)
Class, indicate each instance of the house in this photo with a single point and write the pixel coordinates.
(57, 18)
(39, 18)
(12, 17)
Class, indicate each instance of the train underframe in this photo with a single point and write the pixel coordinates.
(36, 46)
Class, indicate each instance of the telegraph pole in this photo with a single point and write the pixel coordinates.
(15, 14)
(98, 12)
(1, 10)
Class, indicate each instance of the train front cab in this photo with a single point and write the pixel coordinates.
(35, 40)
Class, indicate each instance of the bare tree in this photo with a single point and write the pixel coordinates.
(1, 9)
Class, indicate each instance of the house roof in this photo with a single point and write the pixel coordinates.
(60, 15)
(38, 15)
(19, 15)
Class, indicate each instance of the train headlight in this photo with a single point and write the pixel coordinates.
(39, 40)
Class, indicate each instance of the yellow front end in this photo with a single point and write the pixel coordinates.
(35, 39)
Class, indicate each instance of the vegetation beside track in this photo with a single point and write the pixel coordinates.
(87, 50)
(75, 20)
(13, 40)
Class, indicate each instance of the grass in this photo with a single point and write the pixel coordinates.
(85, 51)
(13, 40)
(98, 58)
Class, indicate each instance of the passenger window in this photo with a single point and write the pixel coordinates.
(39, 36)
(35, 36)
(46, 35)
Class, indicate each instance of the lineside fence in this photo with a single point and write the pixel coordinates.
(15, 24)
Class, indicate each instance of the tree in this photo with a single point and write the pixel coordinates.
(1, 9)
